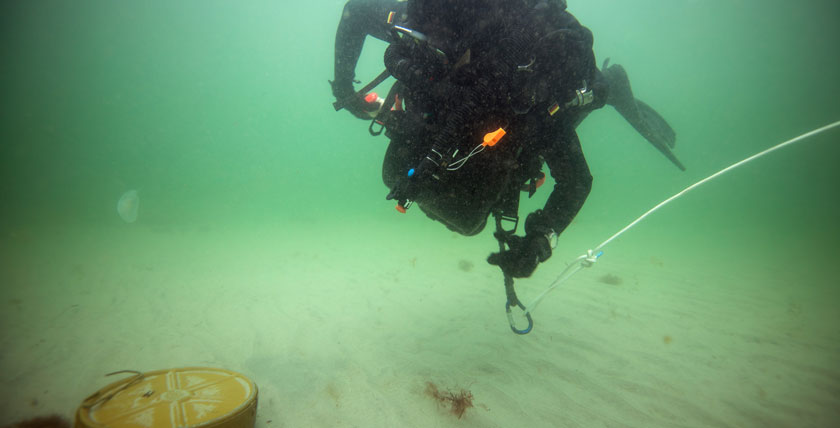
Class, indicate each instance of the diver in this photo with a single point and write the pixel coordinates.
(486, 92)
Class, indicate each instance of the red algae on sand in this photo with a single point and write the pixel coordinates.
(458, 402)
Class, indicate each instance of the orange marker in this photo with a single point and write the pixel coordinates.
(493, 137)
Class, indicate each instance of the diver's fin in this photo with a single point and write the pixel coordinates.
(641, 116)
(657, 124)
(658, 132)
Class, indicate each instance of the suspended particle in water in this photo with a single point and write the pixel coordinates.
(128, 205)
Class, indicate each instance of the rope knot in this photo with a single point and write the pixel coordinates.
(590, 258)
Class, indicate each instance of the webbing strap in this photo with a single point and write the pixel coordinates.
(501, 236)
(338, 105)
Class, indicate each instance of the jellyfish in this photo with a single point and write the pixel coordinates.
(128, 205)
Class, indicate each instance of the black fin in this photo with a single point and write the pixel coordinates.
(641, 116)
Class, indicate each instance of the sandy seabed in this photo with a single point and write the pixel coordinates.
(339, 327)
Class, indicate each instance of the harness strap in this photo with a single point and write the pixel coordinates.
(512, 301)
(501, 235)
(507, 210)
(338, 105)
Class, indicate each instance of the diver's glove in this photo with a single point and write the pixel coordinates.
(353, 102)
(525, 253)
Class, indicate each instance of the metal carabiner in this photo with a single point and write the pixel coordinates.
(513, 324)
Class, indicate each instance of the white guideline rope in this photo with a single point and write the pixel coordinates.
(591, 256)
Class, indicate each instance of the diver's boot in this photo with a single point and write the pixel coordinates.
(641, 116)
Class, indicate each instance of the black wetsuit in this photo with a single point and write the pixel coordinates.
(533, 136)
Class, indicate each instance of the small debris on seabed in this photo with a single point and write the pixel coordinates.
(611, 279)
(51, 421)
(465, 265)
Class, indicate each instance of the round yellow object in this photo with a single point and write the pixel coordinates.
(187, 397)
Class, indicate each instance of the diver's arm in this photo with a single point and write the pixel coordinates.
(359, 19)
(569, 170)
(573, 182)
